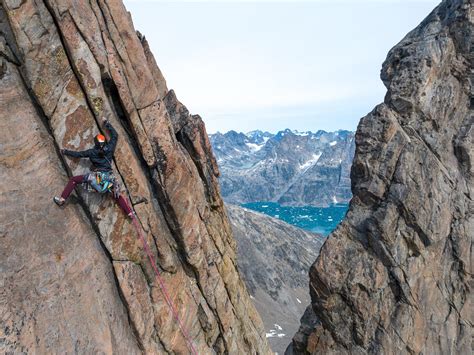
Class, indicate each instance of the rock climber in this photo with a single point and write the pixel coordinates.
(101, 177)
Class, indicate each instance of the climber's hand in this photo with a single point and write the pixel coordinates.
(62, 150)
(105, 122)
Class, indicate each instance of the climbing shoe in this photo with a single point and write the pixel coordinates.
(59, 200)
(131, 215)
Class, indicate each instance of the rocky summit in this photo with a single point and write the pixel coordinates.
(76, 279)
(396, 276)
(274, 259)
(289, 167)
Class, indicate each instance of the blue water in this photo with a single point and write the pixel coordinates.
(321, 220)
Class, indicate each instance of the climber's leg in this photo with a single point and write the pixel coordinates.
(79, 179)
(124, 206)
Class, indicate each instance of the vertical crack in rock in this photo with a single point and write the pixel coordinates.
(45, 121)
(38, 112)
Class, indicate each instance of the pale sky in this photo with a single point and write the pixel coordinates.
(271, 65)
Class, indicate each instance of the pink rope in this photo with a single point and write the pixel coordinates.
(163, 288)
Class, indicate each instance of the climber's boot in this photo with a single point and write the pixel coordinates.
(59, 200)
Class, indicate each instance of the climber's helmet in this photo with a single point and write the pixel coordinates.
(99, 140)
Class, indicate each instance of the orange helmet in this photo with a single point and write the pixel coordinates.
(99, 141)
(100, 138)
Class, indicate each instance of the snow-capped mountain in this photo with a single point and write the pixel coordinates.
(289, 167)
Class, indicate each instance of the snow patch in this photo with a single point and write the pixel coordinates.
(254, 147)
(333, 143)
(311, 162)
(273, 334)
(334, 199)
(296, 300)
(278, 327)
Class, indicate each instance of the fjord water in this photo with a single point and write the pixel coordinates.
(321, 220)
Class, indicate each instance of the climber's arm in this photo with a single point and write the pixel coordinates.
(113, 135)
(80, 154)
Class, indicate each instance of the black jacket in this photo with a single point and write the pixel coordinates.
(101, 159)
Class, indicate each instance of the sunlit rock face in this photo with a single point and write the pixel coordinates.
(76, 279)
(395, 276)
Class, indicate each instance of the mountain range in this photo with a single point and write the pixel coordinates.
(289, 167)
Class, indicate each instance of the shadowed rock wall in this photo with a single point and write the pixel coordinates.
(274, 258)
(395, 277)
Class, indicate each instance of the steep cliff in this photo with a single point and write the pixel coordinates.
(274, 258)
(76, 279)
(395, 277)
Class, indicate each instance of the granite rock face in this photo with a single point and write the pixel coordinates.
(76, 279)
(395, 277)
(274, 258)
(290, 167)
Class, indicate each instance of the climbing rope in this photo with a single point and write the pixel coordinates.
(163, 287)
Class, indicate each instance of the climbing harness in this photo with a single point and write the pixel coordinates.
(101, 181)
(161, 282)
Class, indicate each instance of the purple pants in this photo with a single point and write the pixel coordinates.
(80, 179)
